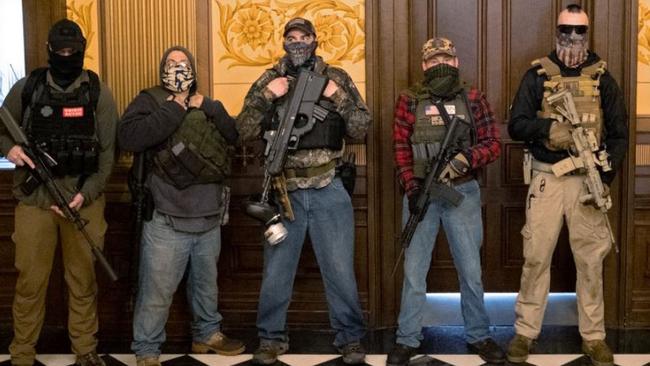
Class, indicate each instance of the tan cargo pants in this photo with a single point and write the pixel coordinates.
(36, 235)
(550, 200)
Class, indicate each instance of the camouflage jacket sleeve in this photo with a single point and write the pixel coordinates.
(349, 104)
(257, 107)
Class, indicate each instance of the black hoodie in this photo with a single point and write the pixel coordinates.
(524, 125)
(146, 126)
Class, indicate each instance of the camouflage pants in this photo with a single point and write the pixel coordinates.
(550, 200)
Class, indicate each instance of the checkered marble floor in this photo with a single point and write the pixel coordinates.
(332, 360)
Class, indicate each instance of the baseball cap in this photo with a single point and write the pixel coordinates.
(299, 23)
(437, 46)
(66, 34)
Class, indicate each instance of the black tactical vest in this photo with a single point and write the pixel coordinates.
(327, 134)
(63, 123)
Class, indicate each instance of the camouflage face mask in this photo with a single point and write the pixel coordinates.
(571, 48)
(177, 77)
(299, 52)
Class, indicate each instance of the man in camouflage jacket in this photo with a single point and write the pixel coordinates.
(320, 203)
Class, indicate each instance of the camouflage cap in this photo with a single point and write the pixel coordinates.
(437, 46)
(299, 23)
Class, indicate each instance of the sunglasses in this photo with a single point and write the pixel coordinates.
(568, 29)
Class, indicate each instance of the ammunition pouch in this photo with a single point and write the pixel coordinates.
(30, 184)
(74, 156)
(196, 153)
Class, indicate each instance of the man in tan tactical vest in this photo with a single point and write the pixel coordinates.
(560, 189)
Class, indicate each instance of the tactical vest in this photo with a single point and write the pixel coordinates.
(63, 123)
(195, 153)
(429, 131)
(584, 89)
(327, 134)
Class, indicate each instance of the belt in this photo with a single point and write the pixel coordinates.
(312, 171)
(464, 179)
(542, 167)
(548, 168)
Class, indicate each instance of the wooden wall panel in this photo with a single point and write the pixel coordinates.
(135, 35)
(495, 47)
(496, 41)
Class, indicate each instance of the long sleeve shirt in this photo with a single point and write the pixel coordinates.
(106, 122)
(486, 150)
(525, 126)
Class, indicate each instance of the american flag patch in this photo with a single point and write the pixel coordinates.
(431, 110)
(73, 112)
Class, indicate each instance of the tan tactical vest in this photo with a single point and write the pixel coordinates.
(429, 131)
(584, 89)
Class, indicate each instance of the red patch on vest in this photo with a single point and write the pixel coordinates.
(73, 112)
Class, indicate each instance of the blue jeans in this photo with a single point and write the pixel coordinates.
(464, 230)
(164, 255)
(327, 215)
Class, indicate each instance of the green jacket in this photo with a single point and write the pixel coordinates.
(94, 185)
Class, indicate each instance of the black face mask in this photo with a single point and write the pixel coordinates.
(441, 80)
(65, 69)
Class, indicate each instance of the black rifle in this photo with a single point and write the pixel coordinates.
(301, 114)
(43, 174)
(434, 186)
(142, 207)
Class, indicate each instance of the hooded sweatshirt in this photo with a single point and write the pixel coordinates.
(146, 126)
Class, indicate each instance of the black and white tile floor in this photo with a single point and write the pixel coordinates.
(443, 345)
(332, 360)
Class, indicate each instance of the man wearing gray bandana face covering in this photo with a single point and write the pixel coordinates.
(183, 138)
(551, 199)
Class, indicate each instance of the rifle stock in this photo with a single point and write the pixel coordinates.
(43, 173)
(586, 154)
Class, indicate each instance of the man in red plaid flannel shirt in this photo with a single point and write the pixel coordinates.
(418, 133)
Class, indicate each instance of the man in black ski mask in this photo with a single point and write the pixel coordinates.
(66, 47)
(70, 114)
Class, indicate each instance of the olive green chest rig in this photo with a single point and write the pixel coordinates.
(584, 89)
(429, 130)
(196, 153)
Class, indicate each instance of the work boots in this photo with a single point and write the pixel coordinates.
(598, 352)
(519, 348)
(219, 344)
(268, 351)
(89, 359)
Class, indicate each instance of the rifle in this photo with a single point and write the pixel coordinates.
(42, 173)
(434, 186)
(143, 210)
(299, 118)
(585, 154)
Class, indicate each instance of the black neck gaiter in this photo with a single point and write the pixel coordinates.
(65, 69)
(441, 80)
